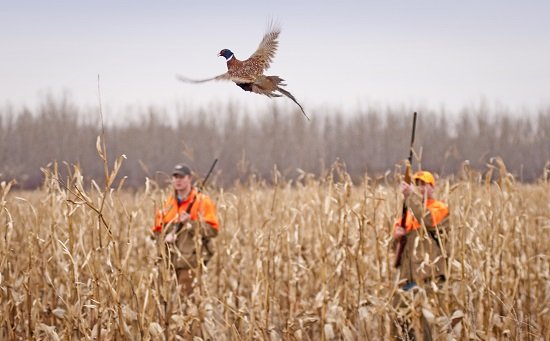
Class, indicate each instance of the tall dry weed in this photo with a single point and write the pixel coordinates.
(296, 260)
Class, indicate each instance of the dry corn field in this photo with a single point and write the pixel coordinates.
(309, 259)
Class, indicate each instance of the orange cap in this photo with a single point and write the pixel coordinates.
(425, 176)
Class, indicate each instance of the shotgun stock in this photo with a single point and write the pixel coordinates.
(403, 240)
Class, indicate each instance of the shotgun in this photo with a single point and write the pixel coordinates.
(403, 240)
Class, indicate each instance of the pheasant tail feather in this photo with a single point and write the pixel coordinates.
(289, 95)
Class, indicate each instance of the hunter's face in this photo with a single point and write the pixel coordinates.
(425, 188)
(181, 182)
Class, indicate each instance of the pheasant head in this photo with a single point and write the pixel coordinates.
(226, 53)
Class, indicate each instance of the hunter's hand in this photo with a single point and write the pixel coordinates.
(399, 232)
(184, 217)
(406, 188)
(170, 237)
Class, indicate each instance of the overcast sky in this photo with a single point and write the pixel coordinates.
(340, 54)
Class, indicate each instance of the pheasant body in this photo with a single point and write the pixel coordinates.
(249, 74)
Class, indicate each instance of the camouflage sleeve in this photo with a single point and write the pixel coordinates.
(415, 202)
(205, 229)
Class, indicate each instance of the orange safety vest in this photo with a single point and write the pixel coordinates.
(437, 208)
(203, 209)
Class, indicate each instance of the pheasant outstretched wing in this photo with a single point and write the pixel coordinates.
(222, 77)
(265, 52)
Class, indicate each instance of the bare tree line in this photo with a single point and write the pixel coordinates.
(372, 141)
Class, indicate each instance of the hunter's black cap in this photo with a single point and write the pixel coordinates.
(181, 169)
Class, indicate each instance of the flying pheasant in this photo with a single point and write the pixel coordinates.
(249, 74)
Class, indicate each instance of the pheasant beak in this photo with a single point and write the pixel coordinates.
(219, 54)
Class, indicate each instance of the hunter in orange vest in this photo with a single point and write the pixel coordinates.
(184, 214)
(422, 263)
(423, 207)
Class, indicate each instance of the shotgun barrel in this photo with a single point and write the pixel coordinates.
(403, 240)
